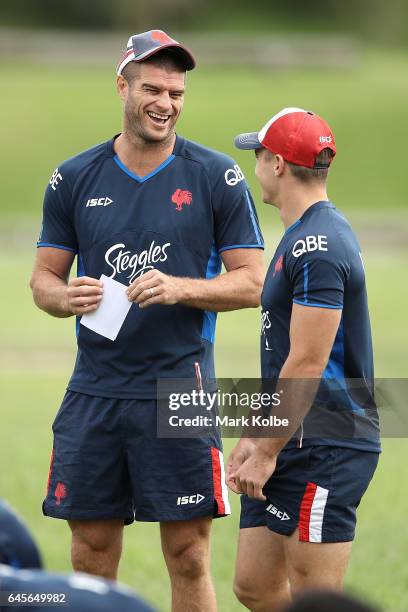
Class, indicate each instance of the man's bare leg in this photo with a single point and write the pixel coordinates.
(261, 577)
(316, 565)
(186, 549)
(97, 547)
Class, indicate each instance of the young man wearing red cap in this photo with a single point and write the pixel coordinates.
(301, 484)
(151, 217)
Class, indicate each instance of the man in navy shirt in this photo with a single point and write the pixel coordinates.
(301, 484)
(158, 214)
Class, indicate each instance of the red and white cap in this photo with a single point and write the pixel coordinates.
(144, 45)
(296, 134)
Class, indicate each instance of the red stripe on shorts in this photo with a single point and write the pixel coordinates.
(50, 471)
(305, 510)
(216, 469)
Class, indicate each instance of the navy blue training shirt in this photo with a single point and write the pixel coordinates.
(17, 546)
(72, 593)
(179, 219)
(318, 263)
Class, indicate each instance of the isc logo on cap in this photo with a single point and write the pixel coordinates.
(325, 139)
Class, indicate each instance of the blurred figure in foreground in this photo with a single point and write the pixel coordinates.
(22, 580)
(71, 593)
(328, 601)
(17, 547)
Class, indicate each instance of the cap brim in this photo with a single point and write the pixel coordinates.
(182, 53)
(248, 141)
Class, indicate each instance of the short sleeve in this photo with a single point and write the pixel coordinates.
(57, 225)
(235, 217)
(317, 271)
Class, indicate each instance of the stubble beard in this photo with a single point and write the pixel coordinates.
(138, 134)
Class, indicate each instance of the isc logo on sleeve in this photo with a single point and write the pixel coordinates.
(310, 243)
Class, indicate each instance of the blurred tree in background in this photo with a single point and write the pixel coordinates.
(380, 21)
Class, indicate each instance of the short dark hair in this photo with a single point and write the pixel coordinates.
(308, 175)
(165, 59)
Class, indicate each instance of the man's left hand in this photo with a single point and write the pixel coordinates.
(154, 287)
(251, 477)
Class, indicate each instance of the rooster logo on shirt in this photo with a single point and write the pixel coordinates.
(278, 266)
(180, 197)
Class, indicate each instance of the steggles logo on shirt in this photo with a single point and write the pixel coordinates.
(121, 260)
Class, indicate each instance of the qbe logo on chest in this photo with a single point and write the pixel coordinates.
(309, 244)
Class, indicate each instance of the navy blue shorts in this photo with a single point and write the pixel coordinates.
(316, 489)
(107, 462)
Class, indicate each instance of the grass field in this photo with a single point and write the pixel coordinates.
(53, 112)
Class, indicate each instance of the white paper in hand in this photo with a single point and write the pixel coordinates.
(111, 313)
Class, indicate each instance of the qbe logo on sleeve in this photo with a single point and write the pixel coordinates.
(55, 179)
(309, 244)
(234, 175)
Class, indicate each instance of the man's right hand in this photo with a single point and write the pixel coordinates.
(84, 294)
(239, 454)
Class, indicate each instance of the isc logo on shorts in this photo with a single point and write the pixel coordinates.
(278, 513)
(190, 499)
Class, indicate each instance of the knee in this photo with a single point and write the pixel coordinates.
(245, 594)
(247, 590)
(189, 561)
(303, 577)
(96, 547)
(255, 596)
(97, 538)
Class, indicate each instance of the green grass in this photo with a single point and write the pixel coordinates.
(36, 358)
(377, 569)
(52, 112)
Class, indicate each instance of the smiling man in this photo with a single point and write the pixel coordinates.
(158, 214)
